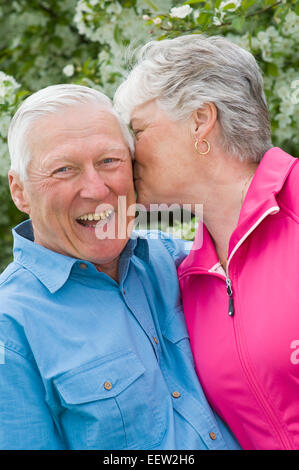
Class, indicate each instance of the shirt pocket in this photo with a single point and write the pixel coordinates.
(109, 403)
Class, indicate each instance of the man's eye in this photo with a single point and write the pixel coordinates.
(110, 161)
(63, 169)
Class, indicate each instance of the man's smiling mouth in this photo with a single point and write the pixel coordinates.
(88, 219)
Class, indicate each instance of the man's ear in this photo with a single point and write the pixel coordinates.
(204, 120)
(17, 192)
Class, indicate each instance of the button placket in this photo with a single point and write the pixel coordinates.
(147, 328)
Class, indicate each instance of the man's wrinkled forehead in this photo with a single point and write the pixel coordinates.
(73, 123)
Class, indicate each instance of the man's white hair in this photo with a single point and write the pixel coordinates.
(46, 102)
(184, 73)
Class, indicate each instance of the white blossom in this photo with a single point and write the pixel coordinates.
(181, 12)
(8, 87)
(157, 20)
(295, 94)
(291, 24)
(235, 4)
(114, 8)
(4, 124)
(217, 21)
(69, 70)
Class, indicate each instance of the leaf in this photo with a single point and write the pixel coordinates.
(191, 2)
(247, 4)
(238, 23)
(117, 34)
(272, 69)
(229, 6)
(151, 5)
(203, 17)
(57, 41)
(22, 94)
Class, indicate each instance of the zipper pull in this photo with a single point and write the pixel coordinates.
(231, 310)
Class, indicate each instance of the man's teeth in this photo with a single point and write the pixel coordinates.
(100, 216)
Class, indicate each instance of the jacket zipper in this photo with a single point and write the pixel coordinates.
(229, 289)
(231, 311)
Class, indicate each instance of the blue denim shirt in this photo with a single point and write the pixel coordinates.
(89, 363)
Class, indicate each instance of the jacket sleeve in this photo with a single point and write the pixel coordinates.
(26, 422)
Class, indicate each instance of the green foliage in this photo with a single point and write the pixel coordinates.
(92, 41)
(10, 217)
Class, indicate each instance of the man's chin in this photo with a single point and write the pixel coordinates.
(105, 251)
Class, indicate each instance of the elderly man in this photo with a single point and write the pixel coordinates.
(96, 353)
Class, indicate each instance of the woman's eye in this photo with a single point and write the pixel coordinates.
(136, 133)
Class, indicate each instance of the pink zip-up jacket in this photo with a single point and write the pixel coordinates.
(244, 323)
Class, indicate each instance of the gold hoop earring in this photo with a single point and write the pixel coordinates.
(198, 151)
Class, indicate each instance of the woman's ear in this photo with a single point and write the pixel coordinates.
(18, 192)
(204, 120)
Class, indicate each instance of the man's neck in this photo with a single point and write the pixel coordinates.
(110, 269)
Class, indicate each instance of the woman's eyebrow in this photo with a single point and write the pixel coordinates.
(136, 122)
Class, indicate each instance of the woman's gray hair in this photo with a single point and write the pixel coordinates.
(184, 73)
(46, 102)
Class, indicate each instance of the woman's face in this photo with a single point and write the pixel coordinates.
(164, 150)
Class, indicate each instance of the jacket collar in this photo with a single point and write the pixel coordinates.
(53, 269)
(261, 199)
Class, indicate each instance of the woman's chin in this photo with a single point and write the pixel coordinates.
(144, 197)
(143, 201)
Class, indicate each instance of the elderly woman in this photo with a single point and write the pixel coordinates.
(198, 113)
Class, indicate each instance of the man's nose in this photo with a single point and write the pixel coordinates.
(93, 186)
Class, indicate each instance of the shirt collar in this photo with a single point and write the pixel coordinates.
(53, 269)
(261, 197)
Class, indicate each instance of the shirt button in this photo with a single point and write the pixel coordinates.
(212, 436)
(83, 265)
(155, 339)
(176, 394)
(124, 292)
(108, 385)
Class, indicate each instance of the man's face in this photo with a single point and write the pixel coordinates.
(80, 165)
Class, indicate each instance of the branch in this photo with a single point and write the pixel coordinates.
(264, 9)
(258, 12)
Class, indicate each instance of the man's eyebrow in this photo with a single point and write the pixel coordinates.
(56, 159)
(113, 149)
(64, 157)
